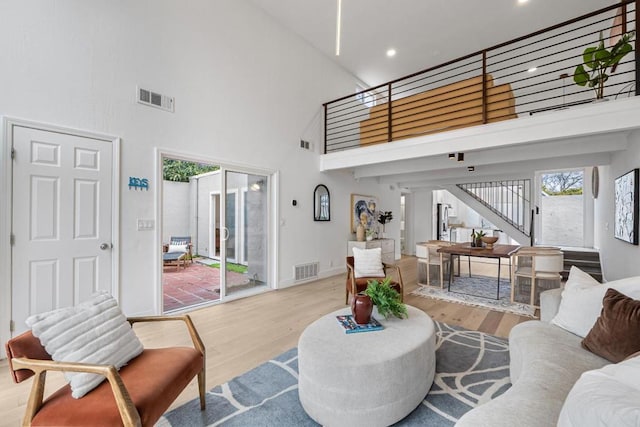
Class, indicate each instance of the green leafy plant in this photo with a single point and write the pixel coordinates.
(479, 234)
(386, 298)
(181, 170)
(597, 61)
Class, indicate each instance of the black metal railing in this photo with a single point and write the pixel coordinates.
(509, 199)
(529, 75)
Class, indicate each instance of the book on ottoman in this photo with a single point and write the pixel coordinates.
(350, 326)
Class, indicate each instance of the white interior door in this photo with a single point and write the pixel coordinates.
(62, 196)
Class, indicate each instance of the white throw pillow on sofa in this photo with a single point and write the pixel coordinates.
(609, 396)
(94, 331)
(367, 262)
(581, 301)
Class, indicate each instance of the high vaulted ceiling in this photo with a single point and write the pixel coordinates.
(423, 32)
(427, 33)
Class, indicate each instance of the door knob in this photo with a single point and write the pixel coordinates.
(105, 246)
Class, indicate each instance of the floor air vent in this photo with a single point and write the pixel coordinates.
(153, 99)
(306, 271)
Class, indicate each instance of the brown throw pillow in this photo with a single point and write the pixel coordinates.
(616, 334)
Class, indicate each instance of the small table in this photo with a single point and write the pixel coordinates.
(367, 378)
(174, 258)
(498, 252)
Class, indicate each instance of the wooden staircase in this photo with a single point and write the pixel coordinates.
(586, 260)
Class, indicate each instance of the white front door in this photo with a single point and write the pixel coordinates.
(62, 196)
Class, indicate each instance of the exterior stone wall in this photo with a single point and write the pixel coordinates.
(562, 221)
(175, 210)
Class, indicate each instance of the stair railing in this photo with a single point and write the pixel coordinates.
(509, 199)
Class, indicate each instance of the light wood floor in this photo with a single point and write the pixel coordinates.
(242, 334)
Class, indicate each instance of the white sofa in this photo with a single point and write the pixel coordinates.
(546, 361)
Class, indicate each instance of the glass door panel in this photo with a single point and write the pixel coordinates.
(231, 223)
(246, 232)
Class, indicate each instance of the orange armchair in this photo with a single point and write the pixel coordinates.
(136, 395)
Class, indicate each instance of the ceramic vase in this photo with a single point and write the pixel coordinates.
(360, 233)
(361, 307)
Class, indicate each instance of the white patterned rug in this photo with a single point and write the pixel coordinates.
(478, 291)
(471, 368)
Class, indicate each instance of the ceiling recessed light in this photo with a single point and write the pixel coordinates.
(391, 52)
(532, 70)
(522, 1)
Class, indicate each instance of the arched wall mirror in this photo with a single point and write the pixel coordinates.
(321, 203)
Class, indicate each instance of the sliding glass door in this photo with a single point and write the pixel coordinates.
(224, 215)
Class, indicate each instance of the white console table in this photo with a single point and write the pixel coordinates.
(388, 247)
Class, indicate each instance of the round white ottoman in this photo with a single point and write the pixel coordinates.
(367, 378)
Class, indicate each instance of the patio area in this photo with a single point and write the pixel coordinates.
(195, 284)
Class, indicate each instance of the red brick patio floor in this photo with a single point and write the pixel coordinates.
(193, 285)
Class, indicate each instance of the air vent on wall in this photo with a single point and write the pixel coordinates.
(154, 99)
(306, 271)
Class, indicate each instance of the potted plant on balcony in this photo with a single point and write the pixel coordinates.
(597, 62)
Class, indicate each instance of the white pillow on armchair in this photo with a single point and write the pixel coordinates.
(94, 331)
(367, 262)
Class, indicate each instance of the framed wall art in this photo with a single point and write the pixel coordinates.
(626, 207)
(363, 210)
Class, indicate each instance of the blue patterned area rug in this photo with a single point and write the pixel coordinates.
(471, 368)
(478, 291)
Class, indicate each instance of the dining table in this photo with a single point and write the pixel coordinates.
(498, 252)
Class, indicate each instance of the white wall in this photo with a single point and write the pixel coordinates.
(423, 216)
(619, 259)
(246, 90)
(562, 219)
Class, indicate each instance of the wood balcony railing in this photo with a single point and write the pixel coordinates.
(532, 74)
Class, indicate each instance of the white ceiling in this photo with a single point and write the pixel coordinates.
(426, 33)
(423, 32)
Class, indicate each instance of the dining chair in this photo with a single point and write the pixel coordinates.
(535, 269)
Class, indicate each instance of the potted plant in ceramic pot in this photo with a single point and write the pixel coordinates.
(386, 299)
(597, 60)
(476, 238)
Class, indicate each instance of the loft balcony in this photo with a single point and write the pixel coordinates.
(517, 93)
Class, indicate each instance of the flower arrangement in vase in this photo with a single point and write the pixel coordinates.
(371, 233)
(384, 217)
